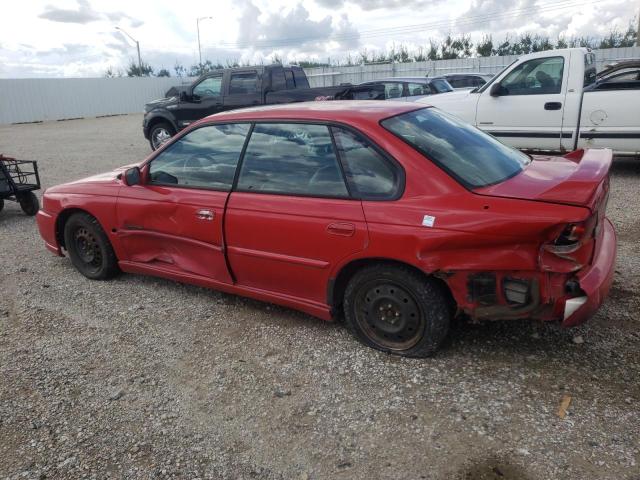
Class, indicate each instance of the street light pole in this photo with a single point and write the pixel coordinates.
(198, 28)
(137, 47)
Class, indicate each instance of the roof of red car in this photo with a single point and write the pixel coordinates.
(330, 110)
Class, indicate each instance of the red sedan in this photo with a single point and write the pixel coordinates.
(395, 216)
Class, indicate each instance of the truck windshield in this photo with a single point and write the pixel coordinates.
(472, 157)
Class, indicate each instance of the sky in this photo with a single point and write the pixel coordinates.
(78, 38)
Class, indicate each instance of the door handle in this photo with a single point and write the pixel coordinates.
(552, 106)
(343, 229)
(205, 214)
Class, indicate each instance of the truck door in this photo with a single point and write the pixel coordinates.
(525, 107)
(242, 89)
(206, 99)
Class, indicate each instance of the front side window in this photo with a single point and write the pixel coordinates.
(417, 89)
(296, 159)
(206, 158)
(535, 77)
(369, 174)
(209, 87)
(471, 156)
(243, 83)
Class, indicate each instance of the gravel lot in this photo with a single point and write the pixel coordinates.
(141, 377)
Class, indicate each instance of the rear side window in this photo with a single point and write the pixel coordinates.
(370, 176)
(289, 79)
(589, 69)
(417, 89)
(469, 155)
(300, 77)
(297, 159)
(243, 83)
(278, 81)
(206, 157)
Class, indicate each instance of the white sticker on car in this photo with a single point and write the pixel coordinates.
(428, 221)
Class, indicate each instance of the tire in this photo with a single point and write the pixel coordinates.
(29, 203)
(397, 310)
(89, 248)
(158, 134)
(1, 204)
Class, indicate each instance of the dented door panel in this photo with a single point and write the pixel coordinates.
(177, 228)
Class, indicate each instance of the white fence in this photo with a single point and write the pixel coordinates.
(330, 76)
(36, 100)
(42, 99)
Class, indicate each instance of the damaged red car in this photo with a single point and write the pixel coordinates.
(393, 216)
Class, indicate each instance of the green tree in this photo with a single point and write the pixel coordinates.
(485, 47)
(135, 70)
(180, 70)
(163, 73)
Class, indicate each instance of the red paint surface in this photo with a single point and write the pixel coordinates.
(288, 250)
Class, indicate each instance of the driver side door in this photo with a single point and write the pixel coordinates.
(528, 113)
(206, 99)
(172, 222)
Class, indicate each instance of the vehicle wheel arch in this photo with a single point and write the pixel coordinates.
(162, 119)
(338, 284)
(62, 218)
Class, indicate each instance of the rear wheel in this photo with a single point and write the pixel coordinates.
(397, 310)
(29, 203)
(160, 133)
(89, 248)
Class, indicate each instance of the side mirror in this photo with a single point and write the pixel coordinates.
(184, 96)
(496, 90)
(132, 176)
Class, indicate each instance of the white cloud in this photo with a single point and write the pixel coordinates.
(78, 37)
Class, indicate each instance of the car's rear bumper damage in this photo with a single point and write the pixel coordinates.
(569, 298)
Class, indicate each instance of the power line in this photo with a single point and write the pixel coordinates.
(468, 21)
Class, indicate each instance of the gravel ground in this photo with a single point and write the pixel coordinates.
(140, 377)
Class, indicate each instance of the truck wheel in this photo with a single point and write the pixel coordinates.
(89, 248)
(160, 133)
(29, 203)
(397, 310)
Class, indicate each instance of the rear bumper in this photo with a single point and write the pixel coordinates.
(47, 226)
(595, 281)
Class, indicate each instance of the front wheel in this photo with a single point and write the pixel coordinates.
(159, 134)
(29, 203)
(397, 310)
(89, 248)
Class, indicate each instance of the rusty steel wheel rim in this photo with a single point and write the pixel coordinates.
(389, 315)
(87, 248)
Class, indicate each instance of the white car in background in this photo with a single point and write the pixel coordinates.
(553, 100)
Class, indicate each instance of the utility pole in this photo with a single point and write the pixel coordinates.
(137, 47)
(198, 28)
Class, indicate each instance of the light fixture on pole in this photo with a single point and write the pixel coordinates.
(198, 28)
(137, 46)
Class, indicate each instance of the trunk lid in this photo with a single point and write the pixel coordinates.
(577, 178)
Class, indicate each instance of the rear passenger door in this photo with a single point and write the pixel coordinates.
(291, 217)
(243, 89)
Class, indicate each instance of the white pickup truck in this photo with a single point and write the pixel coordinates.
(554, 101)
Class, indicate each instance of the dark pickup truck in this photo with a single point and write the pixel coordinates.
(232, 88)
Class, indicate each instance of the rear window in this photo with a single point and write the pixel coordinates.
(471, 156)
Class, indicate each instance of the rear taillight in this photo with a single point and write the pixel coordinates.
(570, 246)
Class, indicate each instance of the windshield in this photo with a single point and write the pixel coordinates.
(441, 85)
(471, 156)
